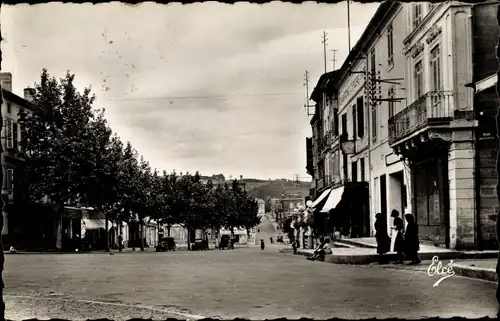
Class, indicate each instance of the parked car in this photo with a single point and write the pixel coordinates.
(199, 245)
(225, 242)
(166, 244)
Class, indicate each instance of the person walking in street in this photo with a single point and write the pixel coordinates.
(382, 238)
(262, 245)
(120, 242)
(397, 241)
(411, 242)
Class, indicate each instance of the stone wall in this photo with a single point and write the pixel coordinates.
(488, 202)
(461, 190)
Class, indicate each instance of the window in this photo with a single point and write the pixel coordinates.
(436, 85)
(354, 172)
(362, 169)
(344, 125)
(9, 108)
(390, 47)
(344, 165)
(435, 65)
(336, 122)
(10, 180)
(354, 127)
(419, 80)
(417, 14)
(390, 95)
(8, 132)
(14, 136)
(361, 116)
(373, 63)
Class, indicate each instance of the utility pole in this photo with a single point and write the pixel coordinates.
(349, 25)
(324, 47)
(334, 51)
(306, 84)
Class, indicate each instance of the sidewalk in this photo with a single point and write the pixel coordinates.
(473, 264)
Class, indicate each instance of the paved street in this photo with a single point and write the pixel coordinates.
(245, 282)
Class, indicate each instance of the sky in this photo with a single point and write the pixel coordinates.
(211, 87)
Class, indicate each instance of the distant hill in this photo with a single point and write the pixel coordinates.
(266, 189)
(275, 189)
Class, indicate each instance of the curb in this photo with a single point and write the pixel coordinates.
(365, 259)
(475, 273)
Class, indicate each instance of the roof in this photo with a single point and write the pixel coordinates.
(10, 96)
(325, 82)
(371, 29)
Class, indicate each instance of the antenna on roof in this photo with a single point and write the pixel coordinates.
(334, 51)
(324, 47)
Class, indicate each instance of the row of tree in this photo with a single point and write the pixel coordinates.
(72, 156)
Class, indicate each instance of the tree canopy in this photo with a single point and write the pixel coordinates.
(73, 157)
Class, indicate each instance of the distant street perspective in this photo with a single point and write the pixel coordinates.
(246, 282)
(169, 161)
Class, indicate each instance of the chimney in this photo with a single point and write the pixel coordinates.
(6, 80)
(29, 94)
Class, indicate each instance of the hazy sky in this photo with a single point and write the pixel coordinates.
(210, 87)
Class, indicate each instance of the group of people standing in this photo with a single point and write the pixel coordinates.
(406, 243)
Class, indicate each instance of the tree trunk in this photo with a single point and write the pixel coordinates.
(188, 238)
(168, 229)
(59, 228)
(106, 233)
(142, 234)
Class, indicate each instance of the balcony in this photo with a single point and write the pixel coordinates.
(432, 109)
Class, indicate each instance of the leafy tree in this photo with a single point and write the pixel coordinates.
(220, 208)
(169, 193)
(128, 184)
(101, 185)
(58, 137)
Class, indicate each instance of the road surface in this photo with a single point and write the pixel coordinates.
(245, 282)
(266, 230)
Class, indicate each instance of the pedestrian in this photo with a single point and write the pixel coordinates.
(317, 249)
(271, 240)
(326, 248)
(262, 245)
(120, 242)
(382, 237)
(397, 236)
(411, 242)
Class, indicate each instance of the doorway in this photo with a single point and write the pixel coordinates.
(383, 199)
(397, 192)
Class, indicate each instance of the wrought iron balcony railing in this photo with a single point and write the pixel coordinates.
(432, 108)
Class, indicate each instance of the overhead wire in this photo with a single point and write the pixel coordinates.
(206, 97)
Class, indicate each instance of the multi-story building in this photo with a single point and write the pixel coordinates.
(415, 104)
(14, 198)
(449, 48)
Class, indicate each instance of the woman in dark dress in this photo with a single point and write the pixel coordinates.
(383, 239)
(411, 242)
(399, 241)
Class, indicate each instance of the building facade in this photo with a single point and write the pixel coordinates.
(412, 109)
(12, 162)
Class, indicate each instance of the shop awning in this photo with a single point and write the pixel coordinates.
(321, 198)
(95, 224)
(333, 199)
(486, 83)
